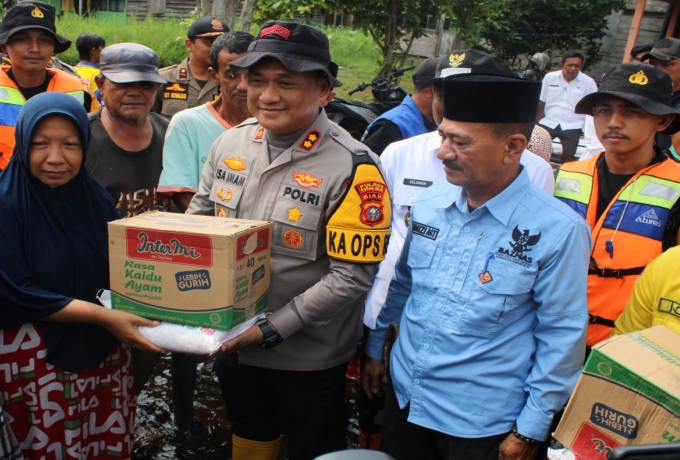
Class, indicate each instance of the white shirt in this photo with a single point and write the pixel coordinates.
(560, 98)
(410, 166)
(590, 140)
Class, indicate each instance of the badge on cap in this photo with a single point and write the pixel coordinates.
(294, 214)
(36, 13)
(311, 140)
(639, 78)
(217, 24)
(456, 59)
(276, 29)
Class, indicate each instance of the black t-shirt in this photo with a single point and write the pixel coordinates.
(610, 184)
(130, 177)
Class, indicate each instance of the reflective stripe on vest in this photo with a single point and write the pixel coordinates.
(11, 101)
(574, 189)
(650, 200)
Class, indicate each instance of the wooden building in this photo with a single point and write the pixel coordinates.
(120, 9)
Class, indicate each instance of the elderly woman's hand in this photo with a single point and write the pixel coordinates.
(123, 326)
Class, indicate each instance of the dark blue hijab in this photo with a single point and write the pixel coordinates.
(53, 243)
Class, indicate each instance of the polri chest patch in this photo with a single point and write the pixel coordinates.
(176, 92)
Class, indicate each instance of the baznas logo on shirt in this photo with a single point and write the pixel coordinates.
(650, 218)
(522, 242)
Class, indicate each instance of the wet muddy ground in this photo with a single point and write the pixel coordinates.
(158, 439)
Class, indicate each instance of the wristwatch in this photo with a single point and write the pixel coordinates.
(271, 337)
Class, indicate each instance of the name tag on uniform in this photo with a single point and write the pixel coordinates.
(176, 91)
(417, 182)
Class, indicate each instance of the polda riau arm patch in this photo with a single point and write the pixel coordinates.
(359, 230)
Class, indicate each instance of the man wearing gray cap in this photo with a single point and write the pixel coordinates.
(126, 149)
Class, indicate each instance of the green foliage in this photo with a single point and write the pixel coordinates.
(166, 37)
(510, 28)
(387, 22)
(354, 52)
(272, 10)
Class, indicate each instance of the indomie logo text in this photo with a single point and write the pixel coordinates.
(170, 247)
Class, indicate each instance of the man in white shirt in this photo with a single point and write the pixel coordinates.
(409, 167)
(561, 91)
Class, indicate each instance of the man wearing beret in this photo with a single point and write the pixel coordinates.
(29, 36)
(189, 83)
(490, 290)
(629, 194)
(331, 212)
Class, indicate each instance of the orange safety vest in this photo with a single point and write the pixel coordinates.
(11, 102)
(626, 238)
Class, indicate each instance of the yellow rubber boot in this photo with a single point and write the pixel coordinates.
(246, 449)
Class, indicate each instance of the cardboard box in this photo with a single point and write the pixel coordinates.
(629, 393)
(196, 270)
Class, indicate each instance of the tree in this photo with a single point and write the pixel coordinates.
(246, 15)
(389, 21)
(510, 28)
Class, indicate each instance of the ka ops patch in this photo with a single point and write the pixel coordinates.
(359, 230)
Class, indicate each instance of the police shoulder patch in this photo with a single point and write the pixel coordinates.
(359, 230)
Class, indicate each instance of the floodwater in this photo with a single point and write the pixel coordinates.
(158, 439)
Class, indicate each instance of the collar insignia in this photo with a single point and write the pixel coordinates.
(260, 133)
(306, 180)
(311, 140)
(183, 73)
(295, 214)
(235, 164)
(639, 78)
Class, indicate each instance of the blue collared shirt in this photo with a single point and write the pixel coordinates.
(493, 311)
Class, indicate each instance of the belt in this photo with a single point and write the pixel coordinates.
(606, 272)
(592, 319)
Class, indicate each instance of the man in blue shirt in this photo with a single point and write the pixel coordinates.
(490, 290)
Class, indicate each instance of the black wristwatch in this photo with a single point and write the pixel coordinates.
(271, 337)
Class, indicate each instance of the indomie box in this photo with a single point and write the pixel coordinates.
(629, 393)
(196, 270)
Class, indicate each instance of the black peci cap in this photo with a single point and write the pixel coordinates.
(468, 61)
(32, 16)
(481, 98)
(299, 47)
(646, 86)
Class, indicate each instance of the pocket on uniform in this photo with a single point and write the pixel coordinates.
(494, 303)
(296, 230)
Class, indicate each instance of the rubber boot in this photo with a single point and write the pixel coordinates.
(183, 372)
(246, 449)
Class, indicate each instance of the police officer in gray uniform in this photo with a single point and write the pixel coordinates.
(189, 84)
(331, 212)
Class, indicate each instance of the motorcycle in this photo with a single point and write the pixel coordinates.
(355, 116)
(536, 68)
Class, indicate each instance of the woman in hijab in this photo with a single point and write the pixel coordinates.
(65, 377)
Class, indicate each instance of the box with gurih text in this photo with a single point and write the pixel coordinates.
(196, 270)
(628, 394)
